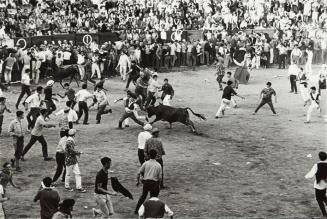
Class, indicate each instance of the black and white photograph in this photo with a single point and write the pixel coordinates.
(143, 109)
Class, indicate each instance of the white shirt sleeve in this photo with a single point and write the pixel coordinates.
(168, 211)
(141, 211)
(312, 172)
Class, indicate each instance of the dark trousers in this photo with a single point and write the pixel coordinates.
(129, 115)
(82, 107)
(148, 186)
(32, 116)
(51, 107)
(32, 141)
(322, 200)
(263, 102)
(60, 159)
(267, 54)
(25, 90)
(162, 170)
(293, 83)
(129, 80)
(281, 60)
(140, 153)
(151, 99)
(101, 110)
(1, 121)
(18, 146)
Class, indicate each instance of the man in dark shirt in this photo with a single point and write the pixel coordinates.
(265, 97)
(70, 94)
(49, 199)
(133, 74)
(167, 93)
(102, 197)
(48, 99)
(226, 99)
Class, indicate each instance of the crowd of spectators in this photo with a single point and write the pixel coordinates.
(21, 18)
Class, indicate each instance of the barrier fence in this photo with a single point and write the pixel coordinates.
(82, 38)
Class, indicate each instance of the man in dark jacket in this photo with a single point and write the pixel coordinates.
(319, 170)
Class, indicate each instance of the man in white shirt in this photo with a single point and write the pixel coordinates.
(296, 54)
(172, 54)
(123, 64)
(293, 72)
(141, 139)
(25, 83)
(319, 170)
(315, 99)
(103, 102)
(66, 56)
(81, 97)
(37, 135)
(34, 101)
(152, 90)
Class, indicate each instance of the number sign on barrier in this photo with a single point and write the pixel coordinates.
(87, 39)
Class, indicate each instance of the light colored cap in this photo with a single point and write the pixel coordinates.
(147, 127)
(72, 132)
(50, 83)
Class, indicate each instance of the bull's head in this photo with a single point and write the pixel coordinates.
(150, 110)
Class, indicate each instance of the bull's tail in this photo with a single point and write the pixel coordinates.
(196, 114)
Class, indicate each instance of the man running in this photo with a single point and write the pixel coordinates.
(131, 107)
(34, 102)
(226, 99)
(315, 100)
(265, 98)
(37, 135)
(167, 93)
(82, 96)
(103, 102)
(25, 86)
(133, 74)
(220, 73)
(48, 98)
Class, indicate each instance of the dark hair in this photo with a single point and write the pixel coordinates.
(154, 193)
(268, 83)
(47, 181)
(105, 160)
(39, 88)
(19, 113)
(166, 79)
(84, 86)
(66, 85)
(5, 164)
(322, 156)
(229, 73)
(313, 88)
(63, 133)
(69, 103)
(2, 99)
(43, 111)
(153, 154)
(27, 70)
(67, 203)
(229, 82)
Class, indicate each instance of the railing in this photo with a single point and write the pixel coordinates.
(79, 38)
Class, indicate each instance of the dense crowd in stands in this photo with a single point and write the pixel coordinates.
(47, 17)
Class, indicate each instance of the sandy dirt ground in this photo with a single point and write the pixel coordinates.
(243, 166)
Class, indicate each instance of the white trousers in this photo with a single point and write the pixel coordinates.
(73, 169)
(313, 106)
(304, 93)
(123, 71)
(166, 100)
(105, 205)
(95, 68)
(223, 106)
(7, 74)
(81, 70)
(308, 68)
